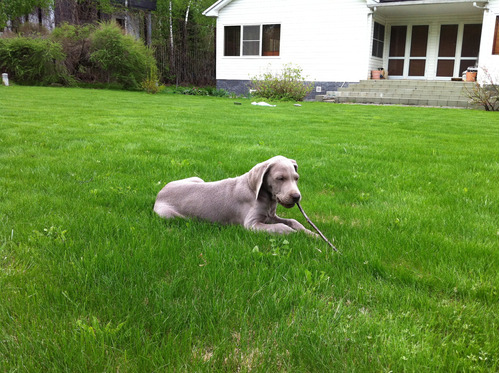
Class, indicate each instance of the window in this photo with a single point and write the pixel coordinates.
(232, 40)
(120, 22)
(378, 40)
(271, 40)
(495, 39)
(252, 40)
(397, 48)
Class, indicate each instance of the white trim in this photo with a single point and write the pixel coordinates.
(214, 9)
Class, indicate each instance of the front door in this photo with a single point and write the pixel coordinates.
(458, 49)
(408, 51)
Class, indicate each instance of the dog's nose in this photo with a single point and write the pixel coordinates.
(295, 197)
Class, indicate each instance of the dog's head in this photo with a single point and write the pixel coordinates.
(277, 176)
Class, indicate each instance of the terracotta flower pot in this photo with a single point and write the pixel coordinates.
(470, 76)
(376, 74)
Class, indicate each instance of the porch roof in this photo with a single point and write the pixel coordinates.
(427, 7)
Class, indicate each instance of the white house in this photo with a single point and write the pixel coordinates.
(338, 42)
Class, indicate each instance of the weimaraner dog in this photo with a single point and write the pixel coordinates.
(249, 200)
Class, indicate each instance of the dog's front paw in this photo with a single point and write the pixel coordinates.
(311, 233)
(299, 227)
(296, 225)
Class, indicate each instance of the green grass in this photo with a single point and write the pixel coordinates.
(92, 281)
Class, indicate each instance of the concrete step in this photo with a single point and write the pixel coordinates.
(396, 93)
(404, 92)
(403, 101)
(441, 83)
(444, 91)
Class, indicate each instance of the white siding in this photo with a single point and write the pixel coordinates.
(487, 60)
(329, 40)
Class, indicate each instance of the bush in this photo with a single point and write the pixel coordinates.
(152, 84)
(120, 57)
(33, 61)
(196, 91)
(485, 95)
(103, 55)
(75, 41)
(287, 84)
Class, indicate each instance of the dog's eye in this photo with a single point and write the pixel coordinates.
(280, 178)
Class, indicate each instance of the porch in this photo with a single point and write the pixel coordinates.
(431, 40)
(404, 92)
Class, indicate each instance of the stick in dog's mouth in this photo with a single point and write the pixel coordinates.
(316, 228)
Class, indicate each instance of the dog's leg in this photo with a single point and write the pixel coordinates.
(294, 224)
(272, 228)
(163, 208)
(166, 211)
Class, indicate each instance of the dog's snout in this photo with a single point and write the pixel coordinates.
(295, 197)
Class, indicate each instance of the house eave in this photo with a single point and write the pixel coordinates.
(214, 9)
(427, 7)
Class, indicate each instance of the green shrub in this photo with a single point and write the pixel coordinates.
(486, 94)
(287, 84)
(212, 91)
(120, 57)
(75, 41)
(33, 61)
(196, 91)
(152, 84)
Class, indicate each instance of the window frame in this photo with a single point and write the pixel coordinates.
(261, 41)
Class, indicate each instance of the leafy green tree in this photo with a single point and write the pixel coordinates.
(182, 28)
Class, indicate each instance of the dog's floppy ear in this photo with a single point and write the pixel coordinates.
(256, 177)
(294, 162)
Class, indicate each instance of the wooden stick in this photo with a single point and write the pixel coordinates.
(316, 228)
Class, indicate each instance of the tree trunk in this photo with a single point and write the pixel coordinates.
(172, 53)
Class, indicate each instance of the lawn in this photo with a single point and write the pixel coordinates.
(92, 281)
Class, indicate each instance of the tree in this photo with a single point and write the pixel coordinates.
(13, 9)
(187, 35)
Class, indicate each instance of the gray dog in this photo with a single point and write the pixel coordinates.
(249, 200)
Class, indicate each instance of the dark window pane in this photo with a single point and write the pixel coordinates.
(396, 67)
(445, 67)
(417, 68)
(419, 41)
(464, 64)
(448, 41)
(378, 49)
(251, 48)
(251, 33)
(232, 40)
(378, 31)
(271, 40)
(398, 41)
(471, 40)
(378, 40)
